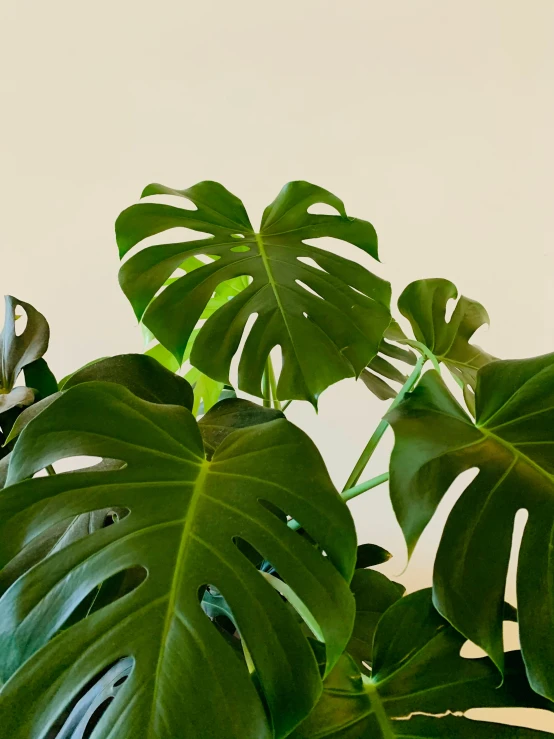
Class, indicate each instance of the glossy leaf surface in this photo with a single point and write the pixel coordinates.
(228, 416)
(142, 375)
(207, 392)
(417, 668)
(512, 445)
(324, 337)
(174, 497)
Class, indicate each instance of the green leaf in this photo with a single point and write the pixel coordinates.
(380, 368)
(374, 593)
(417, 668)
(369, 555)
(164, 357)
(323, 337)
(4, 464)
(27, 415)
(147, 380)
(459, 727)
(141, 374)
(39, 376)
(53, 540)
(16, 352)
(228, 416)
(377, 386)
(206, 391)
(512, 445)
(424, 304)
(185, 514)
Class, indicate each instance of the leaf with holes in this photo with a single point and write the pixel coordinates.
(18, 351)
(417, 668)
(328, 321)
(207, 392)
(424, 304)
(22, 352)
(512, 444)
(174, 496)
(146, 379)
(379, 372)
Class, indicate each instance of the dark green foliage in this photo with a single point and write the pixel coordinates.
(199, 577)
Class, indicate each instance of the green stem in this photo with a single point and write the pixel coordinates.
(364, 486)
(266, 389)
(286, 405)
(347, 495)
(428, 353)
(272, 384)
(377, 435)
(50, 469)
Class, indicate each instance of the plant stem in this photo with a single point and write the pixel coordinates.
(347, 495)
(286, 405)
(428, 353)
(50, 469)
(364, 486)
(377, 435)
(266, 390)
(272, 383)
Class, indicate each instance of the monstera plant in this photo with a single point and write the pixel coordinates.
(200, 577)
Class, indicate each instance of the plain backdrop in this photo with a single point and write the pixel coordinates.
(434, 120)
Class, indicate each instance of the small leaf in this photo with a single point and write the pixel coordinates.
(378, 387)
(379, 367)
(16, 352)
(424, 303)
(370, 555)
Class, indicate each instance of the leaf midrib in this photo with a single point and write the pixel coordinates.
(379, 710)
(518, 454)
(273, 283)
(180, 559)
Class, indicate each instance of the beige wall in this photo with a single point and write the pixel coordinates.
(432, 119)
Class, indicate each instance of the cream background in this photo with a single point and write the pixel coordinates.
(434, 120)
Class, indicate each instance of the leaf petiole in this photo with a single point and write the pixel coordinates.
(353, 492)
(383, 426)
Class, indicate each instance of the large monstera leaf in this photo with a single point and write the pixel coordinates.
(417, 669)
(186, 519)
(511, 442)
(324, 337)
